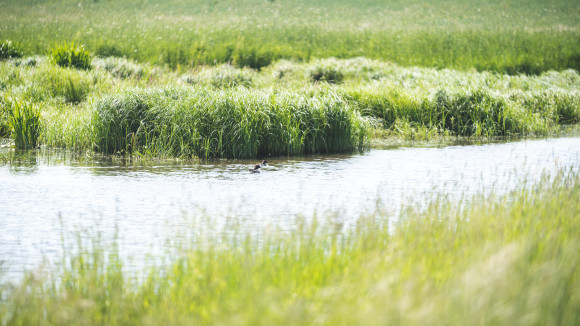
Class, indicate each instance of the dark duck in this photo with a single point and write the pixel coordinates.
(256, 168)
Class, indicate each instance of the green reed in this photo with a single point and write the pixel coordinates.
(286, 111)
(24, 121)
(476, 113)
(69, 55)
(237, 123)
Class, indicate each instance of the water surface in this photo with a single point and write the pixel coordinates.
(45, 195)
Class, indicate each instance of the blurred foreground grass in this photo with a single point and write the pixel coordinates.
(507, 260)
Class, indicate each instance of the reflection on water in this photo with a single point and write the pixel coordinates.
(46, 194)
(20, 162)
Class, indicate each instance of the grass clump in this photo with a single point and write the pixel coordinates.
(68, 127)
(69, 55)
(64, 83)
(509, 260)
(123, 68)
(234, 123)
(472, 113)
(326, 73)
(223, 76)
(4, 114)
(9, 50)
(561, 106)
(24, 122)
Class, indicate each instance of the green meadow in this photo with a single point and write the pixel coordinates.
(529, 36)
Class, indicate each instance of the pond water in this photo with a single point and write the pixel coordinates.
(47, 195)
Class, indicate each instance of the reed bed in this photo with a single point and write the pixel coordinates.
(235, 123)
(289, 108)
(475, 113)
(507, 260)
(474, 104)
(23, 119)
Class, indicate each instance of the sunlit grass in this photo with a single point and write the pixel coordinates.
(530, 36)
(24, 123)
(507, 260)
(223, 111)
(235, 123)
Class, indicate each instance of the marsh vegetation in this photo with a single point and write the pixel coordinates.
(206, 79)
(419, 69)
(289, 108)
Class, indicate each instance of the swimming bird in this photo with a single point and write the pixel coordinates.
(258, 166)
(256, 169)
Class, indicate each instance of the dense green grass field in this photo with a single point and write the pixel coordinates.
(509, 260)
(530, 36)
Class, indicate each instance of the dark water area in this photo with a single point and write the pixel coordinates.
(48, 195)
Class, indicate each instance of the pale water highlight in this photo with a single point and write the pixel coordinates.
(44, 196)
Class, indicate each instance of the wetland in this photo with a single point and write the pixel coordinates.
(423, 162)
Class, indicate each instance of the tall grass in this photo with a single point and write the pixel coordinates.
(509, 260)
(469, 113)
(69, 55)
(212, 116)
(123, 68)
(528, 37)
(223, 76)
(64, 127)
(9, 49)
(24, 122)
(236, 123)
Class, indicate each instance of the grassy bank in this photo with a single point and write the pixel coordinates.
(509, 260)
(509, 37)
(287, 108)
